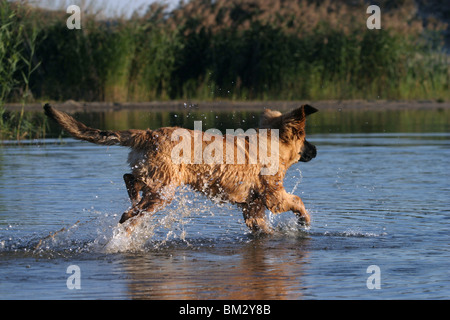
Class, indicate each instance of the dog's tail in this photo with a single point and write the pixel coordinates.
(78, 130)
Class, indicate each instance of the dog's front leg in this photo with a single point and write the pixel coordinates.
(281, 201)
(299, 209)
(255, 216)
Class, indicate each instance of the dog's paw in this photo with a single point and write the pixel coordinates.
(303, 222)
(129, 214)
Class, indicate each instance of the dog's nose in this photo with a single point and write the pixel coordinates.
(308, 154)
(313, 151)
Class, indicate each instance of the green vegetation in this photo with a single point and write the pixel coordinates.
(241, 50)
(222, 49)
(17, 64)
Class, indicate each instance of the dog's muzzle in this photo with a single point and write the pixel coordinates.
(308, 153)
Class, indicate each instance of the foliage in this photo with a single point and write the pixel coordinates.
(239, 50)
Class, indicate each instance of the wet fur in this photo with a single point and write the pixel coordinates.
(154, 178)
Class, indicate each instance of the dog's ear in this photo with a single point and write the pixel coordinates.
(308, 109)
(302, 112)
(270, 119)
(293, 123)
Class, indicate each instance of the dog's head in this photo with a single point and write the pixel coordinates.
(292, 131)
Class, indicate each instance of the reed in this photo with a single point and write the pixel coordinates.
(240, 50)
(17, 64)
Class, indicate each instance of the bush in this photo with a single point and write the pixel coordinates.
(241, 50)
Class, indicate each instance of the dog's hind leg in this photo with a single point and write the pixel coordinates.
(255, 217)
(133, 186)
(150, 202)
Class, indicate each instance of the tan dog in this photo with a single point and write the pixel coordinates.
(157, 169)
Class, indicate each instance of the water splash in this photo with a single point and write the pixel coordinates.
(168, 225)
(298, 181)
(191, 220)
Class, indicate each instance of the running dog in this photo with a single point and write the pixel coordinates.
(155, 173)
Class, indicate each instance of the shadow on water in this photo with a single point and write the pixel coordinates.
(220, 271)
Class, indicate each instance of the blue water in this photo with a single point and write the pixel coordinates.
(375, 199)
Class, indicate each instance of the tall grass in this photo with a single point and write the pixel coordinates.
(17, 64)
(242, 50)
(10, 46)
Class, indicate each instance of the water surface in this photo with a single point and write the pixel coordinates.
(378, 194)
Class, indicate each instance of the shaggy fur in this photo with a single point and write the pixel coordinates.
(155, 176)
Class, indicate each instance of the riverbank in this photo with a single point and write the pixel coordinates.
(72, 106)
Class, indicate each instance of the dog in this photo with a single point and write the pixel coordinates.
(155, 173)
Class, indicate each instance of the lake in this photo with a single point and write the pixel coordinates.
(378, 193)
